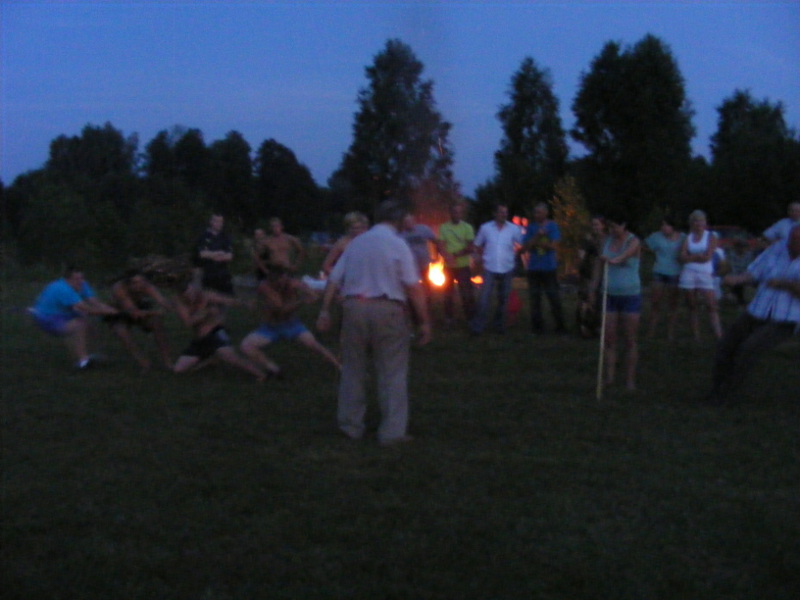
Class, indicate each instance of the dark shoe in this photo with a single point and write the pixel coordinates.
(403, 439)
(715, 398)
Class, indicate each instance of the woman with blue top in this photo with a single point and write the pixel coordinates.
(621, 252)
(666, 245)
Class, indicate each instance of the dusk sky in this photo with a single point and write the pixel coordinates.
(292, 70)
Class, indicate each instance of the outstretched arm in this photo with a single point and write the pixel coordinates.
(324, 318)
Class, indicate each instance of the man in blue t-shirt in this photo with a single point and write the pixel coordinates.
(540, 242)
(61, 310)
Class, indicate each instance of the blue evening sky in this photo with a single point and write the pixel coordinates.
(291, 70)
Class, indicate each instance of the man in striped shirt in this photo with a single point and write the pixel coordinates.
(771, 318)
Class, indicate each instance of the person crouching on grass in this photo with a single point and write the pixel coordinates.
(140, 304)
(621, 251)
(771, 318)
(63, 308)
(281, 296)
(201, 311)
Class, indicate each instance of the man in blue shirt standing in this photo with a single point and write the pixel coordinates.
(61, 310)
(540, 242)
(771, 318)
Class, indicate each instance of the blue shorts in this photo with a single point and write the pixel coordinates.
(666, 279)
(289, 330)
(624, 304)
(52, 324)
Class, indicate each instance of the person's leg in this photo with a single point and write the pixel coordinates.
(448, 291)
(740, 349)
(484, 301)
(535, 300)
(185, 363)
(657, 291)
(738, 293)
(251, 347)
(466, 292)
(354, 343)
(630, 330)
(691, 303)
(123, 332)
(672, 294)
(713, 312)
(309, 341)
(553, 294)
(228, 355)
(76, 332)
(503, 292)
(610, 347)
(391, 351)
(156, 324)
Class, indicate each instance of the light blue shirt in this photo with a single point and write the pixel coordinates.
(498, 245)
(780, 230)
(769, 303)
(623, 279)
(58, 298)
(667, 252)
(377, 263)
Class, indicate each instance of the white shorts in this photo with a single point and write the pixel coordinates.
(694, 280)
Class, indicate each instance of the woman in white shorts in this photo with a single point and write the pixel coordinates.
(697, 273)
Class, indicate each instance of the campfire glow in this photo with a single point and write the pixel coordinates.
(436, 274)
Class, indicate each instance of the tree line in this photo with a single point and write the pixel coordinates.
(100, 199)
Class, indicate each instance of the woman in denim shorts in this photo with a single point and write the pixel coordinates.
(666, 245)
(621, 251)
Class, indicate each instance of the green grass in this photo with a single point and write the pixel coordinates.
(519, 483)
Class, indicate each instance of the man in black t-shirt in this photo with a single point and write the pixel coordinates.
(213, 253)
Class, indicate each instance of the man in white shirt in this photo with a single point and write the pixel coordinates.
(780, 229)
(771, 318)
(497, 241)
(377, 277)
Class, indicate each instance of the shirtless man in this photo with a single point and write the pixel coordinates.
(201, 311)
(281, 296)
(284, 250)
(138, 302)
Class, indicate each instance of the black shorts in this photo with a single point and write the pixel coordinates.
(206, 346)
(126, 319)
(221, 283)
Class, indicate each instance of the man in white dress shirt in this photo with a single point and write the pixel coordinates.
(497, 241)
(771, 318)
(780, 229)
(377, 277)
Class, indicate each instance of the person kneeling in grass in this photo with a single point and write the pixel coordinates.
(201, 311)
(281, 296)
(62, 309)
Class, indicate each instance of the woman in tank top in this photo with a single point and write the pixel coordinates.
(697, 273)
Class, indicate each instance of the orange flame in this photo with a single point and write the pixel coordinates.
(436, 274)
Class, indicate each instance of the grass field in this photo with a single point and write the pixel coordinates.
(519, 484)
